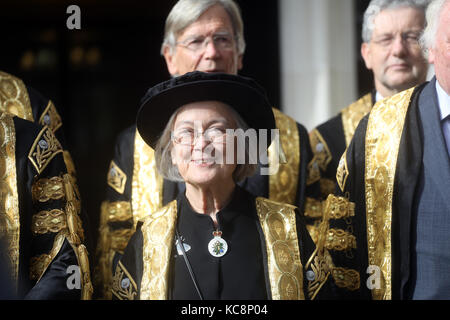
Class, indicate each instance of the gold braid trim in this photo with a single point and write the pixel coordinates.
(9, 199)
(123, 285)
(283, 183)
(383, 137)
(110, 242)
(70, 165)
(14, 97)
(346, 278)
(147, 184)
(283, 254)
(76, 235)
(44, 149)
(158, 231)
(352, 115)
(73, 207)
(45, 189)
(320, 263)
(340, 207)
(48, 221)
(340, 240)
(50, 117)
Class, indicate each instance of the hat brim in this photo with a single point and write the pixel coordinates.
(248, 102)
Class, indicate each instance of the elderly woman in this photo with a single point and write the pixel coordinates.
(216, 240)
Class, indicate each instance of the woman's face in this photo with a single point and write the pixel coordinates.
(199, 143)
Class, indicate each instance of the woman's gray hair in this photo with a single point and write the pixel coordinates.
(163, 151)
(376, 6)
(186, 12)
(428, 38)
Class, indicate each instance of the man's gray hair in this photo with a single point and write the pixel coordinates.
(186, 12)
(164, 146)
(428, 38)
(376, 6)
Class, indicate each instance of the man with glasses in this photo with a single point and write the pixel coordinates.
(390, 49)
(396, 172)
(204, 36)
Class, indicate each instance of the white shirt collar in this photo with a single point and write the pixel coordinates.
(443, 101)
(378, 97)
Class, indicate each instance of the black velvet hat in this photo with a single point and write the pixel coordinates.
(243, 94)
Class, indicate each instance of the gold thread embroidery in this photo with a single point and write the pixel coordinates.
(116, 178)
(83, 262)
(147, 184)
(340, 240)
(319, 266)
(48, 221)
(383, 137)
(14, 97)
(48, 189)
(320, 149)
(9, 198)
(70, 165)
(340, 207)
(283, 184)
(50, 117)
(158, 232)
(75, 234)
(342, 171)
(118, 211)
(283, 254)
(352, 115)
(44, 149)
(72, 209)
(123, 285)
(346, 278)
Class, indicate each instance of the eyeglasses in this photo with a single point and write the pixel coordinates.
(188, 137)
(197, 44)
(409, 39)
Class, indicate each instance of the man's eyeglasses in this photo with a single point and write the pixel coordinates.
(188, 137)
(197, 44)
(409, 39)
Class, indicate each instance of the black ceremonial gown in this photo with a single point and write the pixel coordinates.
(383, 202)
(46, 221)
(132, 175)
(240, 274)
